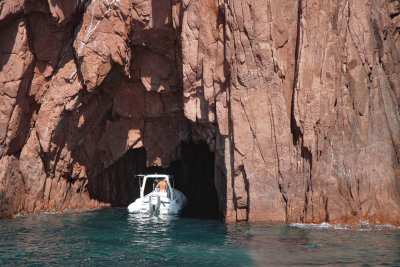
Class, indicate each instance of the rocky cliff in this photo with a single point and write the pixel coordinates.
(298, 101)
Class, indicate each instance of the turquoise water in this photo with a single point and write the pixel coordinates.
(113, 237)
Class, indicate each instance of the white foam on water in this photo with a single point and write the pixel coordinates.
(363, 226)
(323, 225)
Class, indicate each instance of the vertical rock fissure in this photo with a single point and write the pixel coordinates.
(232, 151)
(297, 133)
(295, 129)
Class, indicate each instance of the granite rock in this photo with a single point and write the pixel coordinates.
(299, 101)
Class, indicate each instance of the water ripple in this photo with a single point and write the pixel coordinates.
(112, 236)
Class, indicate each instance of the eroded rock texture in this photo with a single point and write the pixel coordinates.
(299, 101)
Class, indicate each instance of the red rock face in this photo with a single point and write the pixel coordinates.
(299, 101)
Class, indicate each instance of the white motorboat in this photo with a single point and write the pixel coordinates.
(171, 201)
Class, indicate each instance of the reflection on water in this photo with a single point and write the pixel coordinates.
(113, 236)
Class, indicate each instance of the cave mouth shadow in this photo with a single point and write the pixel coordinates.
(193, 173)
(194, 176)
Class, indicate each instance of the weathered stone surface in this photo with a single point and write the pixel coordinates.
(16, 65)
(102, 40)
(299, 101)
(11, 186)
(9, 10)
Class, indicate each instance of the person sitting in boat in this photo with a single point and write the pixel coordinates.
(162, 185)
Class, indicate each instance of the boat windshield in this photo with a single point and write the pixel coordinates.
(151, 185)
(148, 187)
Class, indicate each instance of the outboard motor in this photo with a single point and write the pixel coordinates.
(154, 205)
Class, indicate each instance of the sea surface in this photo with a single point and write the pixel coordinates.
(113, 237)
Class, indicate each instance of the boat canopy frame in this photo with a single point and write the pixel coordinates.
(145, 177)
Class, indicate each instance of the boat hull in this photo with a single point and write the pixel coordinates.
(159, 203)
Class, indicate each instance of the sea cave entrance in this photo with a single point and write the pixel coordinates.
(193, 175)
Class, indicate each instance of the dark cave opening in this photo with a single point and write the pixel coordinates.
(193, 173)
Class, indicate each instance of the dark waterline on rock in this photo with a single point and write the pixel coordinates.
(112, 236)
